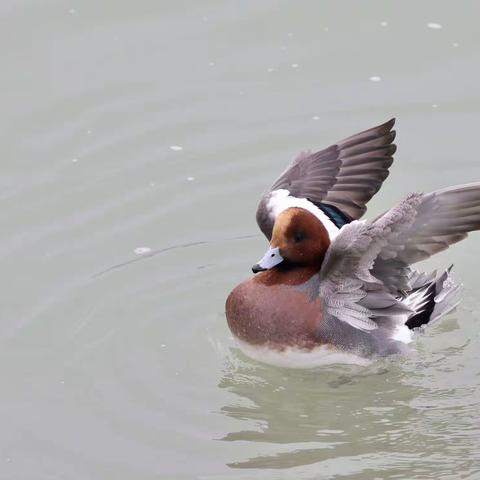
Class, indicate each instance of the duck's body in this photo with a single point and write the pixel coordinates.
(331, 288)
(279, 319)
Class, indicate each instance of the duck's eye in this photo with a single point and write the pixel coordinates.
(299, 236)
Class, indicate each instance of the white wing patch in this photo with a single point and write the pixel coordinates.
(280, 200)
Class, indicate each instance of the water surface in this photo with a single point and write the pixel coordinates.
(156, 126)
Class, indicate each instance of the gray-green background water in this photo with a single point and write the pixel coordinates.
(131, 372)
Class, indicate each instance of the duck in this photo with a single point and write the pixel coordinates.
(333, 287)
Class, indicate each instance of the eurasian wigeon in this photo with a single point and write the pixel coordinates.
(332, 288)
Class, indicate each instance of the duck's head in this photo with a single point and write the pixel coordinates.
(299, 239)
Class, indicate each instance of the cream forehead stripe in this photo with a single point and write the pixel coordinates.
(280, 200)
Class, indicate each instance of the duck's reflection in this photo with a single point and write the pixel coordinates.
(302, 417)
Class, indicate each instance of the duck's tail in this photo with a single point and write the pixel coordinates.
(432, 297)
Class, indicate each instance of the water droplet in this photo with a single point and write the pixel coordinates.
(142, 250)
(295, 65)
(375, 78)
(74, 160)
(176, 148)
(163, 345)
(190, 179)
(384, 24)
(434, 26)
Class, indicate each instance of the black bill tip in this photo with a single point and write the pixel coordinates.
(257, 268)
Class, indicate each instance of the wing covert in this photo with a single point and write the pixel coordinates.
(345, 175)
(367, 267)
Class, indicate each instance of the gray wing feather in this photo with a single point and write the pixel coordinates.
(367, 266)
(350, 292)
(345, 175)
(442, 218)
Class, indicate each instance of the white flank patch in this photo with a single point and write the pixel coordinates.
(176, 148)
(280, 201)
(375, 78)
(434, 26)
(402, 334)
(298, 358)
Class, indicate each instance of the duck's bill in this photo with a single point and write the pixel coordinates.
(269, 260)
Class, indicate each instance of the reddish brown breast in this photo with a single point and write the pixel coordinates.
(269, 309)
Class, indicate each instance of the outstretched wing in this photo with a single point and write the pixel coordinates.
(345, 175)
(441, 219)
(350, 292)
(368, 264)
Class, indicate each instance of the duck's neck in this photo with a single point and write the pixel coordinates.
(284, 276)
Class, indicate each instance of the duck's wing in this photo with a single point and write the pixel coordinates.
(368, 264)
(349, 290)
(442, 218)
(344, 176)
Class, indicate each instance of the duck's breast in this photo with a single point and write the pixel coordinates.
(275, 315)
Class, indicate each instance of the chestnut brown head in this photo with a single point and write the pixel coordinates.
(298, 239)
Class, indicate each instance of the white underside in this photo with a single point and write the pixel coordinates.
(298, 358)
(280, 200)
(402, 334)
